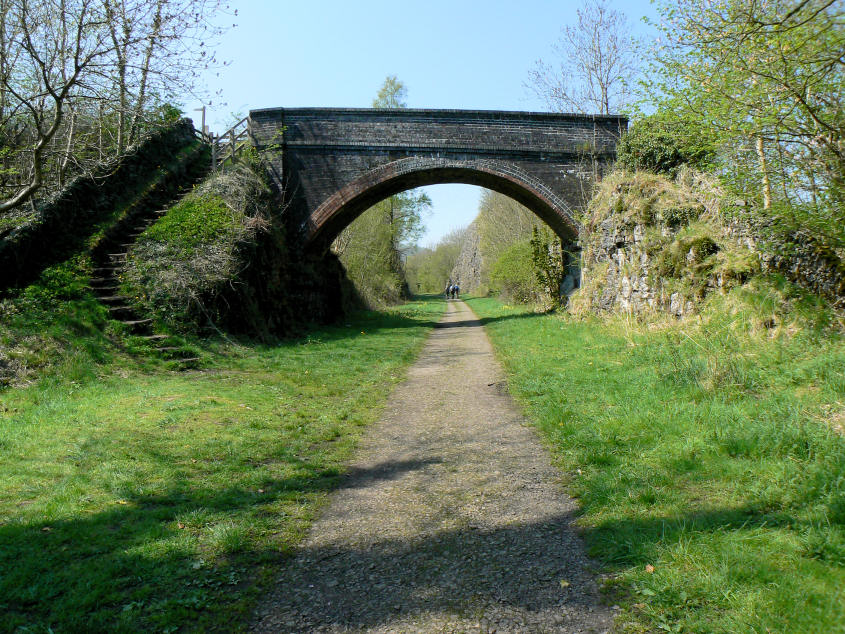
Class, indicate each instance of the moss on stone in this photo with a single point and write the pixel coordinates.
(666, 235)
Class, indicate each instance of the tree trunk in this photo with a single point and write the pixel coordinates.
(68, 149)
(764, 170)
(134, 127)
(120, 49)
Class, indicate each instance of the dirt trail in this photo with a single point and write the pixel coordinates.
(451, 519)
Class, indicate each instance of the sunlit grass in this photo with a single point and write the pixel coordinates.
(703, 453)
(154, 500)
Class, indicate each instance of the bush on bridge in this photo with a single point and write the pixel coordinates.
(660, 145)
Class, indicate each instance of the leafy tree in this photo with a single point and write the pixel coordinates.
(392, 94)
(766, 77)
(432, 268)
(513, 274)
(81, 79)
(371, 247)
(501, 223)
(662, 145)
(548, 260)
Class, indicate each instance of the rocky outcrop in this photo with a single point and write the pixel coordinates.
(656, 244)
(651, 243)
(620, 265)
(797, 255)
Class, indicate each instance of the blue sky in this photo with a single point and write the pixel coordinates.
(472, 54)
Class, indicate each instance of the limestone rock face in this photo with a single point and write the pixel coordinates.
(654, 243)
(648, 245)
(619, 248)
(467, 271)
(804, 260)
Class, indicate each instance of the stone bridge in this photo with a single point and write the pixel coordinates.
(331, 164)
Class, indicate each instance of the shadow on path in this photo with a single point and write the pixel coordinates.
(397, 580)
(68, 574)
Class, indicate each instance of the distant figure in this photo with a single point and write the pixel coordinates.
(448, 290)
(455, 290)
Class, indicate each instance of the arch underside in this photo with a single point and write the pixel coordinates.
(339, 210)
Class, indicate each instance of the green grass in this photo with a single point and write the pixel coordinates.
(195, 220)
(710, 479)
(133, 498)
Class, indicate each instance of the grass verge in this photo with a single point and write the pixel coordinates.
(137, 499)
(707, 455)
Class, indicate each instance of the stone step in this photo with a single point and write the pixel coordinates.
(106, 270)
(185, 360)
(113, 299)
(122, 311)
(155, 337)
(136, 325)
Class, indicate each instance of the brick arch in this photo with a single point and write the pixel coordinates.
(351, 200)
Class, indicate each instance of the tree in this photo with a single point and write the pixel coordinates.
(513, 275)
(432, 268)
(392, 94)
(403, 211)
(58, 47)
(69, 68)
(501, 223)
(371, 247)
(159, 46)
(767, 77)
(548, 259)
(595, 66)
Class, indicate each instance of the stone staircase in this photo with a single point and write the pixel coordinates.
(111, 252)
(105, 284)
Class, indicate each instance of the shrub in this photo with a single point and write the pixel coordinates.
(194, 221)
(192, 255)
(513, 274)
(663, 146)
(548, 259)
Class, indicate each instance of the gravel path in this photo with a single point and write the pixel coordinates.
(450, 520)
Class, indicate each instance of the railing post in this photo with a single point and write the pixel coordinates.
(213, 152)
(219, 153)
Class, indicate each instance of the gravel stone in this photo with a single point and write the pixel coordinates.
(451, 518)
